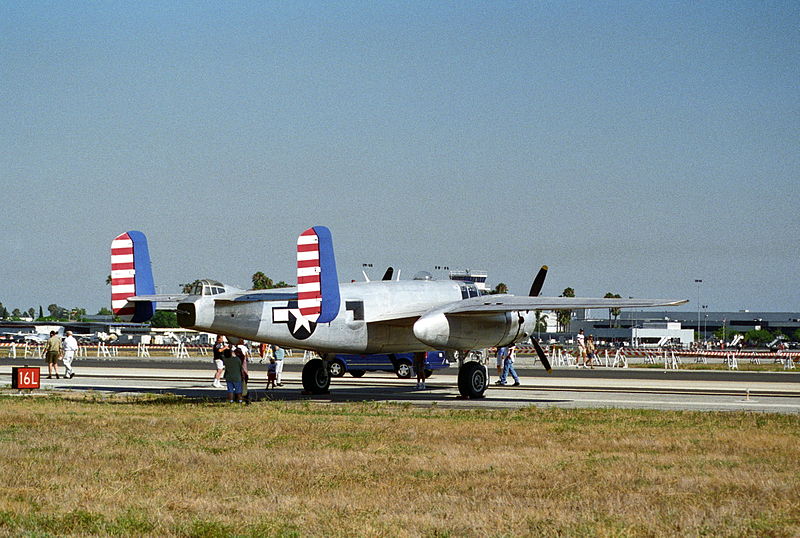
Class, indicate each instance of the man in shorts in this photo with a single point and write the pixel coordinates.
(219, 348)
(52, 352)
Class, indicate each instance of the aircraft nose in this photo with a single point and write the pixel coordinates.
(432, 329)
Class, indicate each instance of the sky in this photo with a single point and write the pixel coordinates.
(633, 147)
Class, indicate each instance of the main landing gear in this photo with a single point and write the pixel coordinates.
(316, 378)
(473, 377)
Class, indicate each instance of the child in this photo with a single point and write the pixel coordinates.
(272, 372)
(233, 375)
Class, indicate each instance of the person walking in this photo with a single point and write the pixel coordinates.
(52, 352)
(279, 353)
(508, 366)
(219, 349)
(591, 350)
(501, 358)
(580, 342)
(70, 348)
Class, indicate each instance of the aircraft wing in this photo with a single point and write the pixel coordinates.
(506, 303)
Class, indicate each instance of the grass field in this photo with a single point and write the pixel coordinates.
(166, 466)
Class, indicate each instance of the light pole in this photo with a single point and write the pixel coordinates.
(705, 322)
(698, 281)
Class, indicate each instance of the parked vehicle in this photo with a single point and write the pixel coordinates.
(399, 363)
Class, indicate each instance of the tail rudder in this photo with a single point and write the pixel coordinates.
(131, 275)
(317, 282)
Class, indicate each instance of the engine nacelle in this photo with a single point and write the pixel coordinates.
(472, 331)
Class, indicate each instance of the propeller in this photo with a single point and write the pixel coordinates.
(536, 289)
(388, 274)
(538, 282)
(542, 356)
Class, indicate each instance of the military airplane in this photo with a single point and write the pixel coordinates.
(322, 315)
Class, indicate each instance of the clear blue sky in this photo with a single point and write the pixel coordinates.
(631, 146)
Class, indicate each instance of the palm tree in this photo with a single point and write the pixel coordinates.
(612, 312)
(540, 323)
(564, 317)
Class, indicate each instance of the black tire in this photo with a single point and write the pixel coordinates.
(336, 368)
(404, 369)
(473, 380)
(315, 377)
(358, 373)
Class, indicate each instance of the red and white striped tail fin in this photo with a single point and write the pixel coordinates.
(131, 274)
(317, 283)
(122, 275)
(309, 283)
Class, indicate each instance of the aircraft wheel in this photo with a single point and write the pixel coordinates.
(358, 373)
(315, 377)
(472, 380)
(336, 368)
(404, 369)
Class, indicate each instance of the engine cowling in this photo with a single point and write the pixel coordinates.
(472, 331)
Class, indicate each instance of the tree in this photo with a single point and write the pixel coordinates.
(263, 282)
(57, 312)
(758, 337)
(540, 323)
(5, 312)
(564, 317)
(500, 289)
(187, 288)
(164, 319)
(31, 312)
(41, 314)
(105, 312)
(16, 313)
(613, 312)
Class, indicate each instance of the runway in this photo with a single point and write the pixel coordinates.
(634, 388)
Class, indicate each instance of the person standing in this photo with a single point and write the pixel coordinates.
(219, 348)
(70, 348)
(243, 354)
(279, 353)
(233, 375)
(271, 374)
(419, 368)
(52, 352)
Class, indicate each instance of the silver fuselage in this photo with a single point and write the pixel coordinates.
(373, 317)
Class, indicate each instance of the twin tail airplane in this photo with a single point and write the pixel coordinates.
(322, 315)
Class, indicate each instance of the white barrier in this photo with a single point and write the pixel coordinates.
(141, 350)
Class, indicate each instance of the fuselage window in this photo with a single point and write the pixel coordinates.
(473, 290)
(464, 292)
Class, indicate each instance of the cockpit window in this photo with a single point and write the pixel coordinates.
(473, 290)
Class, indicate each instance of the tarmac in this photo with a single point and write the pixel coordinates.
(634, 388)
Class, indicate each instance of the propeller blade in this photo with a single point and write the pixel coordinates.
(388, 274)
(542, 356)
(538, 282)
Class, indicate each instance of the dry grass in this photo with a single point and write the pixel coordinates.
(171, 467)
